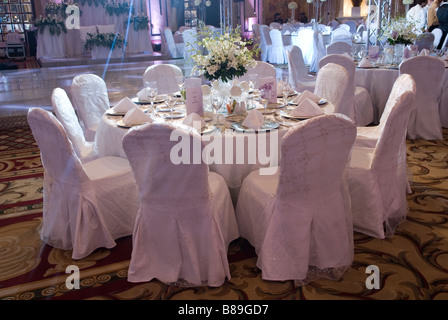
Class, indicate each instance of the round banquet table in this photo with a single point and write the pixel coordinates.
(379, 83)
(230, 163)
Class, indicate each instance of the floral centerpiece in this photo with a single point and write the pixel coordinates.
(140, 21)
(400, 31)
(53, 23)
(292, 6)
(227, 57)
(104, 40)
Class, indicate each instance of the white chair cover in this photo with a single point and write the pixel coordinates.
(333, 23)
(64, 111)
(319, 51)
(298, 71)
(357, 103)
(265, 43)
(376, 176)
(368, 136)
(262, 70)
(437, 32)
(186, 219)
(305, 41)
(339, 47)
(425, 40)
(341, 34)
(275, 25)
(165, 76)
(344, 26)
(191, 46)
(424, 121)
(297, 233)
(91, 100)
(351, 25)
(175, 50)
(277, 50)
(86, 206)
(331, 84)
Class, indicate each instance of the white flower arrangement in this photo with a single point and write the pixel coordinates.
(227, 55)
(400, 31)
(293, 5)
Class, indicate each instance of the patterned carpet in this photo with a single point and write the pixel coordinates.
(413, 264)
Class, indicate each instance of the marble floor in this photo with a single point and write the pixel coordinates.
(24, 88)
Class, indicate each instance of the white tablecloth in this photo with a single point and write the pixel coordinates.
(50, 46)
(379, 83)
(233, 169)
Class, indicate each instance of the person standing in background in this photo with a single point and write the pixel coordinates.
(442, 16)
(418, 15)
(432, 20)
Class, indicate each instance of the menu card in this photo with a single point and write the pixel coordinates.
(193, 92)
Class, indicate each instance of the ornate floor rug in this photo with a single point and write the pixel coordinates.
(412, 265)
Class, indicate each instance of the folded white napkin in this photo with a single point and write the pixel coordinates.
(307, 108)
(206, 90)
(365, 63)
(254, 120)
(124, 105)
(136, 116)
(424, 52)
(142, 95)
(194, 120)
(306, 95)
(236, 91)
(240, 108)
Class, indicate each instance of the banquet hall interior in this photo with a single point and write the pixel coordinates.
(356, 208)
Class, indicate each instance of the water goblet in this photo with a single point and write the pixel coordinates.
(181, 83)
(151, 91)
(170, 101)
(216, 100)
(265, 96)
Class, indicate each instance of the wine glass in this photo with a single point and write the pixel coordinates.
(252, 81)
(286, 89)
(170, 101)
(151, 91)
(265, 96)
(216, 100)
(181, 83)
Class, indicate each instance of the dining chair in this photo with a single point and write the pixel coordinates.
(265, 43)
(91, 100)
(65, 113)
(175, 50)
(86, 205)
(331, 84)
(277, 50)
(297, 233)
(191, 46)
(377, 176)
(437, 32)
(186, 219)
(298, 71)
(357, 102)
(262, 70)
(165, 76)
(319, 51)
(425, 40)
(342, 34)
(305, 41)
(424, 121)
(339, 47)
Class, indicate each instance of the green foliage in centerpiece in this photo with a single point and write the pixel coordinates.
(54, 25)
(400, 31)
(139, 22)
(104, 40)
(117, 8)
(227, 55)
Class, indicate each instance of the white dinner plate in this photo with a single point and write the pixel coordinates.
(174, 115)
(235, 117)
(157, 100)
(238, 126)
(121, 124)
(285, 114)
(112, 112)
(208, 129)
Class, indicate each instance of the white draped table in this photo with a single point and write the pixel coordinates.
(231, 165)
(50, 46)
(379, 83)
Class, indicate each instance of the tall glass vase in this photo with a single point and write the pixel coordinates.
(398, 52)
